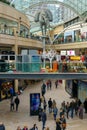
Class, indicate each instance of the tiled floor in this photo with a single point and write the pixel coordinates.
(22, 117)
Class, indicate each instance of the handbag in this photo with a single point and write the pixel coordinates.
(64, 125)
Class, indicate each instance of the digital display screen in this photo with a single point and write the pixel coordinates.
(34, 103)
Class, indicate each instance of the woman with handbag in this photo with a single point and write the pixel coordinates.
(63, 122)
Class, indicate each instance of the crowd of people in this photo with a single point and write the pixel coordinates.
(67, 110)
(60, 115)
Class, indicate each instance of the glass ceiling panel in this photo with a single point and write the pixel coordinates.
(62, 10)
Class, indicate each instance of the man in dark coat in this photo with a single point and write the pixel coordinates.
(44, 119)
(34, 127)
(85, 105)
(17, 101)
(58, 124)
(2, 127)
(43, 89)
(50, 105)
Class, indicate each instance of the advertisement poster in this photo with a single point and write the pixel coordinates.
(34, 103)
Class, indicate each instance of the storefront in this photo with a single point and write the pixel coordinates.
(5, 86)
(82, 90)
(69, 36)
(71, 87)
(76, 89)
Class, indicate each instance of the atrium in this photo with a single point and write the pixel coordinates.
(43, 46)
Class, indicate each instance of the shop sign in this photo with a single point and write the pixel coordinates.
(71, 53)
(63, 53)
(74, 57)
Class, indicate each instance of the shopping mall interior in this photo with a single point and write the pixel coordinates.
(42, 42)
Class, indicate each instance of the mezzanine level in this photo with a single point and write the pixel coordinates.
(31, 67)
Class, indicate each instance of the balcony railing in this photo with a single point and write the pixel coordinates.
(34, 63)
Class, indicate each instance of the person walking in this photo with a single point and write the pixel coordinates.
(50, 104)
(55, 112)
(80, 111)
(44, 119)
(34, 127)
(72, 108)
(2, 126)
(85, 105)
(19, 128)
(53, 104)
(17, 101)
(63, 122)
(12, 104)
(25, 128)
(67, 109)
(11, 91)
(39, 113)
(56, 83)
(61, 112)
(50, 84)
(58, 124)
(43, 89)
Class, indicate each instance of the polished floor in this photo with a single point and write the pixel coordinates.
(22, 117)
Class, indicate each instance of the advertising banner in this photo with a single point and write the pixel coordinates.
(34, 103)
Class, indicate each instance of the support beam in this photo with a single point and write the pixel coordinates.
(36, 76)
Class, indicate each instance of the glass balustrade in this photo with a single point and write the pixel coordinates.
(34, 63)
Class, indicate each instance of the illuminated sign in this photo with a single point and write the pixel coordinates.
(71, 53)
(74, 57)
(34, 103)
(63, 52)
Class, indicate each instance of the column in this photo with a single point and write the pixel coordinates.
(16, 85)
(15, 48)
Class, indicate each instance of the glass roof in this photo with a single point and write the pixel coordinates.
(62, 10)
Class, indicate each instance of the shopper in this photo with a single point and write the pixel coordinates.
(61, 112)
(39, 113)
(19, 128)
(34, 127)
(25, 128)
(11, 91)
(11, 104)
(67, 109)
(85, 105)
(44, 119)
(2, 126)
(58, 124)
(53, 104)
(80, 111)
(56, 83)
(63, 122)
(43, 89)
(50, 104)
(50, 84)
(55, 112)
(17, 101)
(72, 108)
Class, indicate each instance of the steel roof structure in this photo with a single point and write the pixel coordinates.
(58, 8)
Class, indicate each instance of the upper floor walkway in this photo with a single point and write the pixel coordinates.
(35, 67)
(9, 40)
